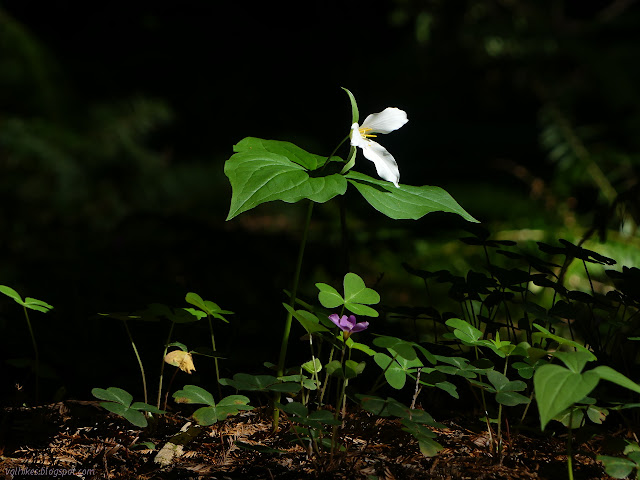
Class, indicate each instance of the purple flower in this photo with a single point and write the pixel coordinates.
(348, 324)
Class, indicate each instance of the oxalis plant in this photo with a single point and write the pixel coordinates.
(267, 170)
(29, 304)
(503, 318)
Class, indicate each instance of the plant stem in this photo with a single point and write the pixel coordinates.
(166, 394)
(287, 323)
(35, 349)
(339, 400)
(215, 359)
(135, 350)
(569, 441)
(326, 375)
(164, 354)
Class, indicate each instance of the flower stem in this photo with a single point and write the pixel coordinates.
(294, 292)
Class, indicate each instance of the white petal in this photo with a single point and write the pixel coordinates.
(357, 140)
(386, 165)
(386, 121)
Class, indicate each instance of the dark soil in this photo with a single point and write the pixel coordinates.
(75, 439)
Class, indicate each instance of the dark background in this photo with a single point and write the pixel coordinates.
(116, 120)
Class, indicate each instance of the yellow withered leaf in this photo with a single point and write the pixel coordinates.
(182, 360)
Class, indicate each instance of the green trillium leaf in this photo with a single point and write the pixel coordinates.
(266, 170)
(407, 202)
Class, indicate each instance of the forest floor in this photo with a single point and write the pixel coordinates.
(74, 439)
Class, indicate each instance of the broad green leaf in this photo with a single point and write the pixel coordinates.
(359, 309)
(352, 368)
(145, 407)
(557, 388)
(267, 170)
(406, 202)
(114, 407)
(206, 306)
(307, 319)
(230, 405)
(464, 331)
(113, 394)
(355, 291)
(608, 373)
(448, 387)
(329, 296)
(313, 366)
(296, 408)
(570, 417)
(285, 387)
(194, 394)
(575, 361)
(403, 348)
(617, 467)
(511, 399)
(429, 447)
(208, 415)
(360, 346)
(10, 292)
(136, 418)
(497, 379)
(195, 299)
(245, 381)
(597, 414)
(394, 374)
(239, 401)
(288, 150)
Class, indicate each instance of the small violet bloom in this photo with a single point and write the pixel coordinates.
(348, 324)
(386, 121)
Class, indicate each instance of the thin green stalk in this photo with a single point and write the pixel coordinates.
(35, 349)
(569, 445)
(294, 290)
(339, 400)
(504, 372)
(326, 375)
(314, 374)
(135, 350)
(215, 359)
(287, 323)
(164, 354)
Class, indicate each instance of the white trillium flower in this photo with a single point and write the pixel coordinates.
(386, 121)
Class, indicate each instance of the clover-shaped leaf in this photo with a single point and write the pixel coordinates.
(28, 302)
(119, 401)
(206, 306)
(356, 296)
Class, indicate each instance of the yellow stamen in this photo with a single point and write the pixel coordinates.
(364, 130)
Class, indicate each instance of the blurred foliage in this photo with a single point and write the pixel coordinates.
(577, 61)
(65, 160)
